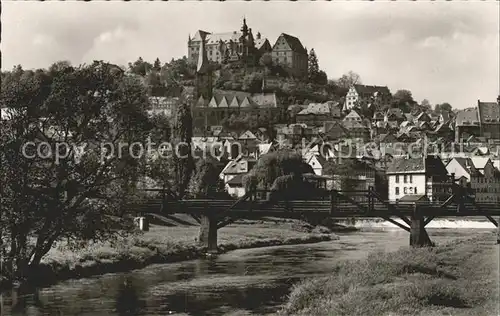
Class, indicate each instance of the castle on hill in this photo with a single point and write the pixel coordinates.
(243, 46)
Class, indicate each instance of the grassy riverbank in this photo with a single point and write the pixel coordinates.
(164, 245)
(459, 278)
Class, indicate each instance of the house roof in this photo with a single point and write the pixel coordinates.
(316, 108)
(267, 100)
(293, 42)
(260, 42)
(489, 112)
(444, 117)
(240, 165)
(396, 112)
(414, 198)
(352, 114)
(363, 89)
(409, 116)
(214, 38)
(429, 164)
(247, 135)
(467, 117)
(237, 180)
(480, 162)
(353, 125)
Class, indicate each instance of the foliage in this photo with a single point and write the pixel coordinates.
(313, 66)
(205, 182)
(273, 165)
(183, 160)
(403, 100)
(344, 170)
(348, 79)
(82, 195)
(140, 67)
(443, 108)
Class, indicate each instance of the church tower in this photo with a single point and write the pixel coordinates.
(203, 85)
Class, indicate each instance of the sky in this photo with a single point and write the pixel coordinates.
(440, 51)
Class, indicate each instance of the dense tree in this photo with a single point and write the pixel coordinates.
(444, 107)
(273, 165)
(403, 100)
(205, 182)
(140, 67)
(157, 64)
(80, 193)
(343, 169)
(182, 157)
(313, 65)
(348, 79)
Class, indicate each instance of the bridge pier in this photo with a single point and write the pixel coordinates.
(208, 232)
(418, 234)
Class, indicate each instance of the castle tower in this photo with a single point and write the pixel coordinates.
(203, 78)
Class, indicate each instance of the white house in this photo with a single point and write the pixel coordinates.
(233, 173)
(417, 176)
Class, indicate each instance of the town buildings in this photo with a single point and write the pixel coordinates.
(228, 46)
(484, 120)
(419, 176)
(242, 45)
(368, 94)
(288, 51)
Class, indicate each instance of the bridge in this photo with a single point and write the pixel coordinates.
(213, 214)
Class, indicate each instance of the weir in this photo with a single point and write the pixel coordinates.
(214, 214)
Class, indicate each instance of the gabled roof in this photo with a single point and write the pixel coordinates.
(293, 42)
(353, 114)
(353, 125)
(237, 180)
(489, 112)
(480, 162)
(414, 198)
(363, 89)
(316, 108)
(398, 113)
(467, 117)
(247, 135)
(260, 42)
(406, 165)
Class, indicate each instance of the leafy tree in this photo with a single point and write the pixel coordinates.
(81, 194)
(140, 67)
(313, 66)
(344, 170)
(444, 107)
(348, 79)
(403, 100)
(266, 60)
(205, 182)
(273, 165)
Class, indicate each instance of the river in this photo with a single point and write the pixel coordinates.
(251, 281)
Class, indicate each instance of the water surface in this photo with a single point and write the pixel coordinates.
(253, 280)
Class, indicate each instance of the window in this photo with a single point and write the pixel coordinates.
(415, 190)
(397, 179)
(405, 179)
(405, 190)
(411, 178)
(397, 190)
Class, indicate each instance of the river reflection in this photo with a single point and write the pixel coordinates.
(254, 280)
